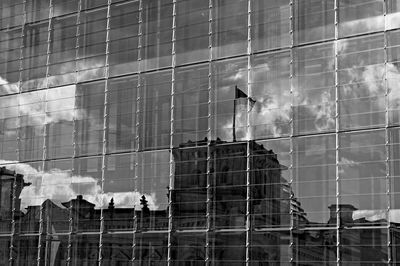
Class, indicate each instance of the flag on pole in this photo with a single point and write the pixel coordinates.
(239, 94)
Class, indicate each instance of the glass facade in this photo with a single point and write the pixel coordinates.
(199, 132)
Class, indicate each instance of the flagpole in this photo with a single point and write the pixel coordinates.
(249, 101)
(234, 116)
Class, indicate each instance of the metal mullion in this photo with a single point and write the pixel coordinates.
(249, 137)
(387, 137)
(208, 249)
(292, 124)
(105, 121)
(13, 209)
(46, 236)
(136, 182)
(21, 47)
(44, 148)
(134, 231)
(337, 130)
(171, 156)
(74, 133)
(137, 114)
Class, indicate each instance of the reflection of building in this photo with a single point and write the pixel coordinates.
(218, 172)
(223, 177)
(309, 248)
(80, 216)
(11, 185)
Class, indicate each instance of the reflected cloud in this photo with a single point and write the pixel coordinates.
(392, 20)
(271, 114)
(45, 106)
(393, 78)
(60, 104)
(362, 25)
(7, 88)
(240, 75)
(376, 215)
(270, 111)
(61, 186)
(323, 113)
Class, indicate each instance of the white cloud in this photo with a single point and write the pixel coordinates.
(392, 20)
(375, 215)
(272, 112)
(7, 88)
(362, 25)
(241, 74)
(61, 186)
(324, 113)
(369, 215)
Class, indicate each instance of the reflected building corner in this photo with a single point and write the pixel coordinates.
(217, 169)
(11, 185)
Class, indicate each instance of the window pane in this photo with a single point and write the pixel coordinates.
(60, 104)
(153, 187)
(393, 77)
(360, 16)
(192, 28)
(121, 114)
(188, 248)
(92, 44)
(270, 24)
(10, 43)
(229, 27)
(392, 16)
(314, 89)
(63, 51)
(270, 248)
(191, 104)
(270, 89)
(124, 40)
(270, 192)
(11, 13)
(314, 179)
(9, 127)
(314, 20)
(37, 10)
(157, 34)
(119, 192)
(189, 194)
(228, 184)
(228, 248)
(155, 110)
(362, 174)
(361, 82)
(61, 7)
(31, 125)
(35, 56)
(89, 113)
(226, 76)
(363, 246)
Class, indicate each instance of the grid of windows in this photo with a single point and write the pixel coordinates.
(199, 132)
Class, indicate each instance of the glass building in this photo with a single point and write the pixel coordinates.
(199, 132)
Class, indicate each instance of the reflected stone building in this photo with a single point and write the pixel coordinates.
(199, 132)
